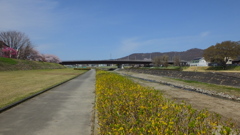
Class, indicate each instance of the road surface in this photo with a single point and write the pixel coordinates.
(64, 110)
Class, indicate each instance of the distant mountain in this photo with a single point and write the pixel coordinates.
(185, 55)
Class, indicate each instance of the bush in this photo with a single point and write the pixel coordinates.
(82, 68)
(230, 67)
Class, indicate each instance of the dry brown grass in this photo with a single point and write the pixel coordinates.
(197, 69)
(207, 69)
(15, 85)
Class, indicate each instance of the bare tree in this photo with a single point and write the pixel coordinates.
(18, 41)
(25, 52)
(165, 60)
(157, 61)
(176, 60)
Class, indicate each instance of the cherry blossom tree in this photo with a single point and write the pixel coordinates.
(21, 47)
(18, 41)
(51, 58)
(9, 52)
(35, 56)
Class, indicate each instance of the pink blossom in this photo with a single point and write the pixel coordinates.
(9, 52)
(51, 58)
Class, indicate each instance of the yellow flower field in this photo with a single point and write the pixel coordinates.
(126, 108)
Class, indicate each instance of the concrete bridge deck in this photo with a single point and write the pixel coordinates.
(105, 62)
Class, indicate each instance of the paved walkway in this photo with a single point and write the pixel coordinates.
(64, 110)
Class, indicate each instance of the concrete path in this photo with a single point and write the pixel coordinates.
(64, 110)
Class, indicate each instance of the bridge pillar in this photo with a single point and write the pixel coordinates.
(120, 66)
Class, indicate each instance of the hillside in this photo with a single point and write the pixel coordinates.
(185, 55)
(7, 64)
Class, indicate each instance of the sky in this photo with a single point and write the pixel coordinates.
(111, 29)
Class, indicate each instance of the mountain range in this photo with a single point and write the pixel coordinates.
(184, 56)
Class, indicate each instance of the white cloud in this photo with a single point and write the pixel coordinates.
(135, 44)
(205, 34)
(128, 45)
(43, 47)
(36, 18)
(26, 14)
(138, 45)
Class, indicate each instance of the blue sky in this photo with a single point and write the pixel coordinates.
(104, 29)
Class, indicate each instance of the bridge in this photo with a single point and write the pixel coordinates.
(105, 62)
(119, 63)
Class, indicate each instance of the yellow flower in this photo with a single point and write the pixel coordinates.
(164, 107)
(118, 101)
(163, 122)
(198, 118)
(121, 128)
(203, 132)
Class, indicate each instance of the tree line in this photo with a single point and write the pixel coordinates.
(19, 46)
(219, 53)
(162, 61)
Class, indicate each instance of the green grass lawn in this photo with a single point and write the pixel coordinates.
(4, 60)
(16, 85)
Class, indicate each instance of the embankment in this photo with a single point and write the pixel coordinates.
(231, 79)
(7, 64)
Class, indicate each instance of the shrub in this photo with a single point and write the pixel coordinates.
(82, 68)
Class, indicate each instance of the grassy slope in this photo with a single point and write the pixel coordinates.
(22, 78)
(215, 69)
(7, 64)
(198, 69)
(16, 85)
